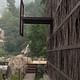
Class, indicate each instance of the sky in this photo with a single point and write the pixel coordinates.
(3, 4)
(25, 1)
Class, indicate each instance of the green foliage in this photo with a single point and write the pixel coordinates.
(10, 23)
(2, 52)
(34, 9)
(1, 75)
(13, 40)
(16, 76)
(40, 72)
(37, 36)
(35, 33)
(11, 7)
(43, 1)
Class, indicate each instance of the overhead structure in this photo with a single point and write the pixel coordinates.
(33, 20)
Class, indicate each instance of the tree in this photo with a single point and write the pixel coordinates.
(12, 8)
(37, 33)
(37, 36)
(43, 1)
(34, 9)
(10, 23)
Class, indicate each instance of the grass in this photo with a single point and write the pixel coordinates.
(40, 73)
(1, 75)
(16, 76)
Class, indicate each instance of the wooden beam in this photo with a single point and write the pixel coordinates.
(64, 21)
(59, 71)
(21, 15)
(65, 48)
(37, 20)
(33, 20)
(58, 5)
(22, 3)
(69, 15)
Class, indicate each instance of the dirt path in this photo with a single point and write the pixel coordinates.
(45, 77)
(30, 76)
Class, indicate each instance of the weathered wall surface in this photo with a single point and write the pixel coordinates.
(64, 43)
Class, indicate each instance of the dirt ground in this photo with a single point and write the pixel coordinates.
(31, 76)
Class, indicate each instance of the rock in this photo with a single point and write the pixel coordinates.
(19, 62)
